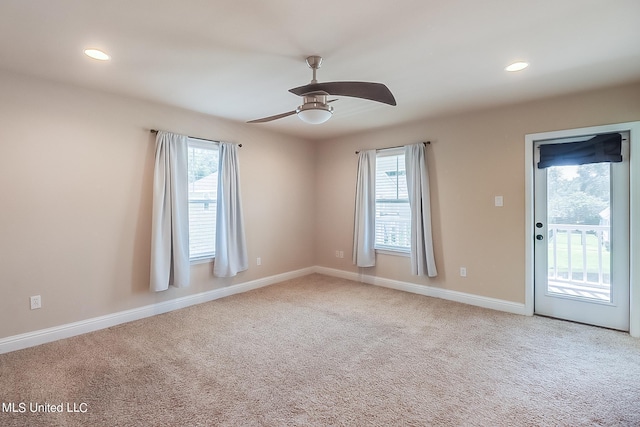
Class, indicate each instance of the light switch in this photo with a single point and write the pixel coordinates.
(499, 201)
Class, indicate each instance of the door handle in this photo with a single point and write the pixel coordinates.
(539, 236)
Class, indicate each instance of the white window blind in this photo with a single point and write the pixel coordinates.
(203, 188)
(393, 215)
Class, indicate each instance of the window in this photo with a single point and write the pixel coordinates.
(203, 188)
(393, 215)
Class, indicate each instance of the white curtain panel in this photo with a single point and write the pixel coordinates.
(422, 258)
(364, 254)
(170, 215)
(231, 248)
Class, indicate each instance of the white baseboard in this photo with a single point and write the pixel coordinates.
(477, 300)
(30, 339)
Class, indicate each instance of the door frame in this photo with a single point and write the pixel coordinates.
(613, 313)
(634, 212)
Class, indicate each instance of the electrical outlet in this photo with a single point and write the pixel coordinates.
(463, 271)
(337, 254)
(36, 302)
(259, 261)
(341, 254)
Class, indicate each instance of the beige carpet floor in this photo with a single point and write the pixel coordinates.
(321, 351)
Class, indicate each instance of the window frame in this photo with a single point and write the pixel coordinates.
(207, 145)
(381, 248)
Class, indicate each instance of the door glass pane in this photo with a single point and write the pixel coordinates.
(578, 215)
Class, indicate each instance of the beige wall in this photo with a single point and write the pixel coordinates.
(76, 170)
(472, 158)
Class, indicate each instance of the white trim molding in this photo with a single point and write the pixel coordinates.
(430, 291)
(30, 339)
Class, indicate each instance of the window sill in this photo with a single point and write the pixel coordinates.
(205, 260)
(393, 252)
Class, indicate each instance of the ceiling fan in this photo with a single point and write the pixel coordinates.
(315, 108)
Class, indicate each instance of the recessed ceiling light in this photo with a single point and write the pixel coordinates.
(97, 54)
(517, 66)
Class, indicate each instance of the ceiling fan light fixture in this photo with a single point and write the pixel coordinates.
(314, 112)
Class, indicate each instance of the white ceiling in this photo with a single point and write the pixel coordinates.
(237, 58)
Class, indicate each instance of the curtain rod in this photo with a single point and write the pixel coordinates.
(391, 148)
(192, 137)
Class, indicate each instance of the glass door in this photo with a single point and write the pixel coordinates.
(582, 241)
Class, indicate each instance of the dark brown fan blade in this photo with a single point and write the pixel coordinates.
(372, 91)
(270, 118)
